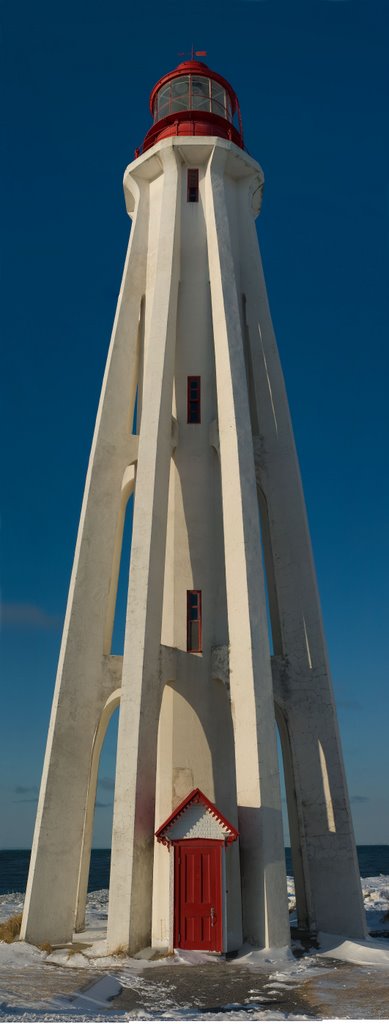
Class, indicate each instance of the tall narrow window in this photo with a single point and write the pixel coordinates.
(194, 400)
(193, 620)
(193, 185)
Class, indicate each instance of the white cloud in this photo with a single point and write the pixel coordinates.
(27, 615)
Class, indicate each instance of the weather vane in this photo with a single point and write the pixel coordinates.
(194, 53)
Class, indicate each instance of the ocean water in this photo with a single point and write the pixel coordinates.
(373, 861)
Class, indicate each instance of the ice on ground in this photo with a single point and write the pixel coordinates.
(93, 999)
(230, 1012)
(67, 958)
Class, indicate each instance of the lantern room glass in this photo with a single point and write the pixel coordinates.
(192, 92)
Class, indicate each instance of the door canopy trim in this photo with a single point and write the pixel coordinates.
(195, 797)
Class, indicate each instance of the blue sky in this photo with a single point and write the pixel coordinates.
(312, 78)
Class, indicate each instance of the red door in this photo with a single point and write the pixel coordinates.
(198, 895)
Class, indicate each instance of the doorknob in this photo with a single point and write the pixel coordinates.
(212, 916)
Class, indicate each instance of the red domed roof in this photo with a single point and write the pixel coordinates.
(192, 106)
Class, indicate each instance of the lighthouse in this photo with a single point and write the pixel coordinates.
(224, 640)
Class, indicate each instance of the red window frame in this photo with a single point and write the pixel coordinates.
(194, 400)
(194, 618)
(192, 194)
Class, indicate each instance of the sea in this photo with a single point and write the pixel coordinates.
(373, 861)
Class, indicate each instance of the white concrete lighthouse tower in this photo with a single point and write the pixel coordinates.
(219, 529)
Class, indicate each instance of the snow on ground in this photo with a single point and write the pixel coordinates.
(81, 985)
(376, 899)
(11, 903)
(375, 892)
(20, 954)
(372, 953)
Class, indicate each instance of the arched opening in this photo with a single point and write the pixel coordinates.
(137, 414)
(275, 633)
(119, 622)
(98, 826)
(249, 370)
(136, 388)
(184, 761)
(291, 823)
(118, 590)
(329, 807)
(103, 819)
(286, 832)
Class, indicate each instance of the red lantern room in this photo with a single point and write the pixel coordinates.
(193, 100)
